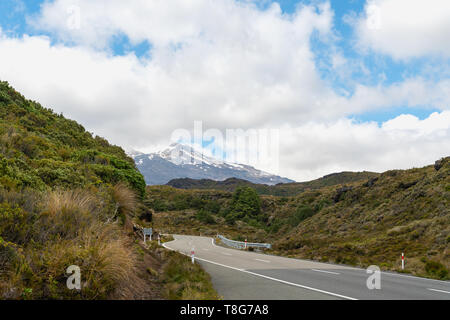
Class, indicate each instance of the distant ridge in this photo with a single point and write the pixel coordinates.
(281, 189)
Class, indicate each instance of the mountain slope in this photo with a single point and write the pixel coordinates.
(69, 199)
(358, 223)
(40, 149)
(180, 161)
(373, 223)
(283, 189)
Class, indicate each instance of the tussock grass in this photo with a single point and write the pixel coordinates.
(65, 228)
(125, 198)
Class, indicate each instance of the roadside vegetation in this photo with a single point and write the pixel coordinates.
(68, 198)
(357, 223)
(186, 281)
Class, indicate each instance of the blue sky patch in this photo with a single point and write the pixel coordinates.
(384, 115)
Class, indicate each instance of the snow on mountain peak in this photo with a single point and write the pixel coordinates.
(184, 161)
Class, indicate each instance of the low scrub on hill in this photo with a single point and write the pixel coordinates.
(70, 199)
(40, 149)
(206, 212)
(359, 223)
(374, 222)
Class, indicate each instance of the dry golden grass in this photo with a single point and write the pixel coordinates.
(71, 200)
(125, 198)
(69, 230)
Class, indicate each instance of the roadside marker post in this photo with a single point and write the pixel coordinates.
(403, 261)
(159, 239)
(193, 255)
(245, 244)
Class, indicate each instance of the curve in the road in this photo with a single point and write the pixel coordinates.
(284, 278)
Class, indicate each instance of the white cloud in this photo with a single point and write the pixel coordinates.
(316, 149)
(406, 29)
(233, 66)
(228, 64)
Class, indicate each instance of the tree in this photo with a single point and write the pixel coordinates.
(245, 204)
(205, 217)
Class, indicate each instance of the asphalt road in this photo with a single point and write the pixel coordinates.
(238, 275)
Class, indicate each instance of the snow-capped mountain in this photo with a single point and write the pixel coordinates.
(181, 161)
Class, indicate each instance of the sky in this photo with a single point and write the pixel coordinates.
(350, 85)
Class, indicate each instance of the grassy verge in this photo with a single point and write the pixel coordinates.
(183, 280)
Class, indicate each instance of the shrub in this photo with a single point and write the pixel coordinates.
(303, 212)
(205, 217)
(436, 269)
(245, 203)
(14, 223)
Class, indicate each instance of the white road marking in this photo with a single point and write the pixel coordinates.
(439, 290)
(414, 277)
(270, 278)
(324, 271)
(267, 261)
(226, 254)
(310, 288)
(359, 269)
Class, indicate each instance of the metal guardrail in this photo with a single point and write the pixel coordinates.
(243, 245)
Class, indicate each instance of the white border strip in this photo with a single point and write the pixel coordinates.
(267, 277)
(439, 290)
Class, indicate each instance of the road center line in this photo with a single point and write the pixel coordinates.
(267, 261)
(324, 271)
(439, 290)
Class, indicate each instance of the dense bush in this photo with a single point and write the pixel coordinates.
(303, 212)
(246, 205)
(436, 269)
(205, 217)
(40, 149)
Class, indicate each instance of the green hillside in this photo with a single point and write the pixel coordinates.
(70, 199)
(40, 149)
(358, 223)
(373, 223)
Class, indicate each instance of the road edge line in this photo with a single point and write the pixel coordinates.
(267, 277)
